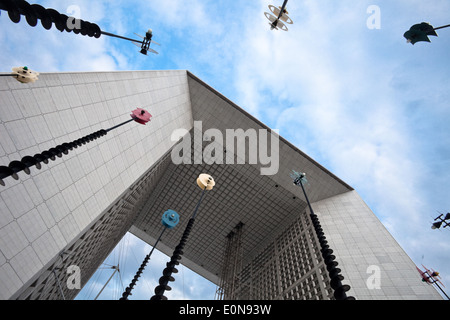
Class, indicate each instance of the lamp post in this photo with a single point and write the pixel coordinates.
(139, 115)
(169, 220)
(327, 253)
(281, 14)
(431, 277)
(23, 74)
(62, 22)
(205, 182)
(441, 221)
(421, 31)
(434, 281)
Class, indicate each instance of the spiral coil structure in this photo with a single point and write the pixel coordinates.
(128, 289)
(27, 162)
(169, 220)
(327, 253)
(331, 263)
(170, 266)
(48, 17)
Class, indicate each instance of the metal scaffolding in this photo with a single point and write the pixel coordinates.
(290, 267)
(232, 265)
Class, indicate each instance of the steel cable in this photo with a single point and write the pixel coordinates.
(48, 17)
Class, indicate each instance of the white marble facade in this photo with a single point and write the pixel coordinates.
(43, 213)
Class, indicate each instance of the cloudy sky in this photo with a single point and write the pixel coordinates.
(341, 85)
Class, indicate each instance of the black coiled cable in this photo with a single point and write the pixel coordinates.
(331, 263)
(170, 266)
(24, 165)
(35, 12)
(138, 274)
(327, 254)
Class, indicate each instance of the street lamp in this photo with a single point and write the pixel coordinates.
(281, 14)
(169, 220)
(62, 22)
(327, 253)
(23, 74)
(441, 221)
(139, 115)
(421, 31)
(205, 182)
(144, 44)
(431, 278)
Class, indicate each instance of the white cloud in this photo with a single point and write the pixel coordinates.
(52, 50)
(338, 102)
(129, 254)
(368, 106)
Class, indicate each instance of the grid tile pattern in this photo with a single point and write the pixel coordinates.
(289, 268)
(360, 241)
(74, 210)
(216, 111)
(263, 208)
(265, 204)
(88, 250)
(42, 213)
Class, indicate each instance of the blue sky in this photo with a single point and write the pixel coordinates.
(129, 254)
(368, 106)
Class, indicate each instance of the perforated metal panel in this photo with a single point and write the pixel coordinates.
(264, 208)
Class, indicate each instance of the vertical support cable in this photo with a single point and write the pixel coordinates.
(230, 281)
(329, 259)
(205, 182)
(128, 290)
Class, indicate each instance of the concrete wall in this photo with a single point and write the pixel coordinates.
(365, 249)
(42, 213)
